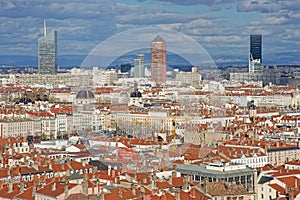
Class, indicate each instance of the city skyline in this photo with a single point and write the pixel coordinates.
(221, 27)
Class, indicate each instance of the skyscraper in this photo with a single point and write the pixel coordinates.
(139, 66)
(47, 52)
(255, 57)
(158, 60)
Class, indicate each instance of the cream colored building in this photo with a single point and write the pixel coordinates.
(75, 78)
(104, 77)
(192, 78)
(48, 127)
(279, 155)
(49, 79)
(16, 127)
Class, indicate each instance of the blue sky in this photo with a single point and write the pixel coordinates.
(222, 27)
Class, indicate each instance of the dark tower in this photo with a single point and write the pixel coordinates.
(256, 47)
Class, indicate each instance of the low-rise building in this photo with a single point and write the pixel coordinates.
(213, 172)
(16, 127)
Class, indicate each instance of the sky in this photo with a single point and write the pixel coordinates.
(221, 27)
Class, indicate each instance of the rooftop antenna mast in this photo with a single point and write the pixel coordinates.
(45, 28)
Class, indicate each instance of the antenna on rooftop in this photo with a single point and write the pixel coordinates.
(45, 28)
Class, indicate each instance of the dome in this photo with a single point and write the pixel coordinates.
(25, 100)
(85, 94)
(136, 94)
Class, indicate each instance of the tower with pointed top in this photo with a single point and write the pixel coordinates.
(47, 52)
(158, 60)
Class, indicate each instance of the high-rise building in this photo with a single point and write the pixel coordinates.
(47, 52)
(139, 66)
(158, 60)
(255, 57)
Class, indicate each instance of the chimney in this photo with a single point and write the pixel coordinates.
(101, 195)
(153, 181)
(113, 173)
(266, 149)
(66, 190)
(120, 192)
(68, 172)
(38, 182)
(291, 194)
(50, 165)
(117, 180)
(185, 183)
(33, 190)
(205, 181)
(255, 181)
(193, 193)
(177, 195)
(22, 187)
(68, 161)
(54, 186)
(142, 191)
(35, 166)
(174, 171)
(10, 186)
(85, 187)
(133, 190)
(94, 170)
(109, 170)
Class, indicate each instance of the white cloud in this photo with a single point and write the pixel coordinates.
(81, 25)
(275, 20)
(7, 4)
(267, 6)
(198, 23)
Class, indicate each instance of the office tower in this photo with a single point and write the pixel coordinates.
(158, 60)
(255, 57)
(47, 52)
(139, 66)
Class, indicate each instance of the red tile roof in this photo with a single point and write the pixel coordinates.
(163, 185)
(59, 188)
(278, 188)
(26, 195)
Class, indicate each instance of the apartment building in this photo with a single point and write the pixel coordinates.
(16, 127)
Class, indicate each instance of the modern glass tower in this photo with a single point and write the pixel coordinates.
(255, 57)
(47, 52)
(139, 66)
(158, 60)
